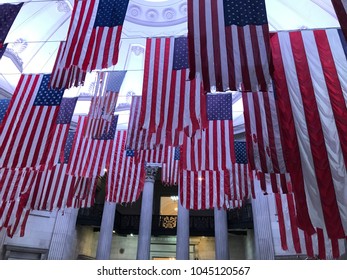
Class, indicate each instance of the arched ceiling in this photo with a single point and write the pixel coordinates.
(41, 24)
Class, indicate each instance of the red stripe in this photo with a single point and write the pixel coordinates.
(309, 245)
(243, 59)
(191, 41)
(334, 87)
(97, 46)
(315, 133)
(321, 244)
(203, 44)
(216, 45)
(107, 47)
(257, 58)
(294, 228)
(116, 45)
(230, 57)
(89, 50)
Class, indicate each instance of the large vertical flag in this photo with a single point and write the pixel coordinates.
(29, 123)
(229, 44)
(8, 14)
(171, 104)
(309, 75)
(93, 37)
(171, 167)
(340, 7)
(90, 155)
(125, 176)
(295, 240)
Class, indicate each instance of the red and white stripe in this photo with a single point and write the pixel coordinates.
(89, 156)
(213, 151)
(66, 77)
(170, 168)
(26, 130)
(83, 194)
(204, 189)
(226, 56)
(310, 67)
(280, 183)
(296, 240)
(263, 135)
(125, 176)
(171, 104)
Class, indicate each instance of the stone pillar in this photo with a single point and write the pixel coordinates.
(221, 234)
(63, 242)
(2, 241)
(264, 245)
(182, 243)
(103, 251)
(145, 230)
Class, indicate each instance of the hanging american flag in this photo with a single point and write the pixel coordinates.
(3, 107)
(340, 7)
(214, 150)
(29, 123)
(171, 104)
(296, 241)
(219, 106)
(90, 155)
(125, 176)
(229, 44)
(93, 36)
(8, 14)
(104, 102)
(170, 168)
(263, 134)
(309, 71)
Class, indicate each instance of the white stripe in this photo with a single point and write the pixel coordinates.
(197, 42)
(209, 41)
(236, 55)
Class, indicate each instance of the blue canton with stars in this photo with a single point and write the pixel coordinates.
(240, 152)
(110, 134)
(3, 107)
(66, 110)
(244, 12)
(130, 153)
(177, 155)
(219, 106)
(181, 54)
(68, 146)
(111, 13)
(8, 13)
(115, 80)
(46, 96)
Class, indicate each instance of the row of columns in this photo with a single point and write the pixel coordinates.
(144, 237)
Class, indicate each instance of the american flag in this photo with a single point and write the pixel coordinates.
(219, 106)
(125, 176)
(340, 7)
(312, 114)
(93, 37)
(229, 44)
(29, 123)
(170, 168)
(104, 102)
(171, 104)
(3, 107)
(296, 241)
(8, 14)
(214, 150)
(263, 134)
(90, 155)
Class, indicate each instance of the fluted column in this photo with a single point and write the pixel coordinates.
(264, 246)
(145, 230)
(62, 246)
(182, 243)
(103, 251)
(221, 234)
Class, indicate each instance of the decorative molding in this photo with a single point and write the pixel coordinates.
(151, 172)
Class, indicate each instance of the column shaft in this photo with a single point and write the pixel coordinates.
(182, 243)
(221, 234)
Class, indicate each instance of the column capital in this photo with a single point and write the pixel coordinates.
(151, 172)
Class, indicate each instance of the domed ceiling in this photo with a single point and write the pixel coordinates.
(41, 25)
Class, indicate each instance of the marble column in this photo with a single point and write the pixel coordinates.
(221, 234)
(103, 251)
(145, 230)
(63, 242)
(182, 243)
(264, 245)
